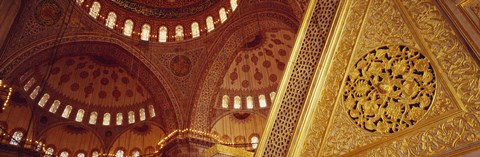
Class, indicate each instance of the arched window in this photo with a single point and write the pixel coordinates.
(16, 138)
(145, 32)
(43, 100)
(79, 117)
(93, 118)
(237, 102)
(119, 153)
(136, 153)
(223, 15)
(79, 2)
(128, 28)
(34, 93)
(210, 25)
(106, 119)
(131, 117)
(225, 100)
(95, 154)
(151, 111)
(272, 96)
(39, 146)
(162, 34)
(66, 111)
(195, 30)
(49, 152)
(262, 101)
(249, 102)
(64, 154)
(233, 4)
(54, 106)
(179, 33)
(111, 19)
(95, 9)
(142, 114)
(254, 141)
(119, 118)
(29, 84)
(80, 155)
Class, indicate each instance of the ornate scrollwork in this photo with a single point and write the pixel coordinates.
(389, 89)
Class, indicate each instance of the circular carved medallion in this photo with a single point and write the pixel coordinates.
(180, 65)
(47, 12)
(389, 89)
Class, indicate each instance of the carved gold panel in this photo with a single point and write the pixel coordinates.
(400, 82)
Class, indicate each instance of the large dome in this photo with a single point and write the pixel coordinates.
(168, 9)
(161, 20)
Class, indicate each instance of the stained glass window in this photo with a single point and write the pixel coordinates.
(223, 15)
(254, 141)
(111, 19)
(64, 154)
(210, 24)
(179, 33)
(95, 154)
(195, 30)
(66, 111)
(34, 93)
(106, 119)
(262, 101)
(237, 102)
(79, 2)
(16, 138)
(233, 4)
(79, 117)
(29, 84)
(142, 114)
(128, 28)
(249, 102)
(162, 34)
(95, 9)
(145, 32)
(136, 153)
(272, 96)
(54, 106)
(43, 100)
(131, 117)
(93, 118)
(119, 118)
(151, 111)
(119, 153)
(49, 152)
(225, 100)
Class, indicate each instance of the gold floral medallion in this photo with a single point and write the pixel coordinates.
(389, 89)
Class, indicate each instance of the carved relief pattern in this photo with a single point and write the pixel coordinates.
(340, 62)
(389, 89)
(452, 57)
(300, 78)
(476, 9)
(448, 135)
(389, 29)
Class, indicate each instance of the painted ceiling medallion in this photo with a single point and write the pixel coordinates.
(389, 89)
(47, 12)
(180, 65)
